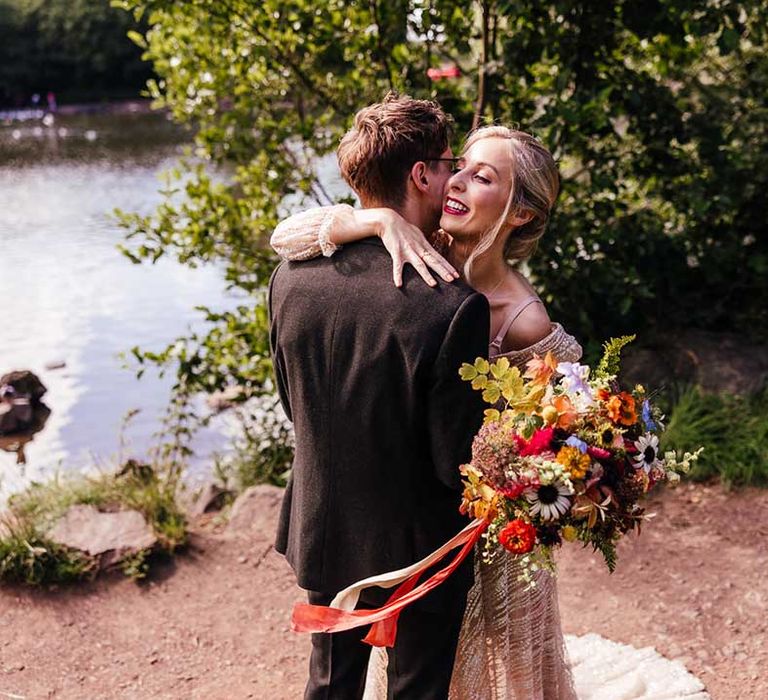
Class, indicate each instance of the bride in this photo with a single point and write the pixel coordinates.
(496, 207)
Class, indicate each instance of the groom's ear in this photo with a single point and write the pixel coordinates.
(419, 176)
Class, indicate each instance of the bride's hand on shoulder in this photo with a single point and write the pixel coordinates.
(407, 245)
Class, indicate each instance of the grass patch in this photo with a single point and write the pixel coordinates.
(732, 429)
(28, 556)
(263, 451)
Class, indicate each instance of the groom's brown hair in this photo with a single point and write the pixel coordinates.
(386, 139)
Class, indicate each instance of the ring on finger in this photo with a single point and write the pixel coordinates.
(425, 253)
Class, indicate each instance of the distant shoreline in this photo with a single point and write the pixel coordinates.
(132, 106)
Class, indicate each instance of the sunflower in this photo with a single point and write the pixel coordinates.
(647, 455)
(550, 501)
(608, 435)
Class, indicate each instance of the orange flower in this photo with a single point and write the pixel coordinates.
(621, 409)
(518, 536)
(478, 500)
(603, 394)
(540, 369)
(566, 412)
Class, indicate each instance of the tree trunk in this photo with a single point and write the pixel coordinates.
(481, 77)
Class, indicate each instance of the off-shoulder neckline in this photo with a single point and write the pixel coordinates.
(540, 345)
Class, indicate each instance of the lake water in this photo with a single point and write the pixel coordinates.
(69, 296)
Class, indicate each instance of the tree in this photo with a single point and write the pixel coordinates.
(74, 47)
(656, 113)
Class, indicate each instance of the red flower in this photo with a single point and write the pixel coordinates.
(539, 442)
(514, 489)
(518, 536)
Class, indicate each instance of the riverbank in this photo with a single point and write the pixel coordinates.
(114, 107)
(214, 623)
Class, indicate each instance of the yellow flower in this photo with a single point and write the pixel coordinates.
(575, 463)
(570, 533)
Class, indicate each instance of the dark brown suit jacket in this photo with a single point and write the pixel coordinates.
(368, 374)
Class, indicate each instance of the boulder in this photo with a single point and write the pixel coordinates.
(25, 383)
(209, 497)
(108, 536)
(256, 510)
(20, 407)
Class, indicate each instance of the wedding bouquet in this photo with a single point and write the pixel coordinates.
(564, 454)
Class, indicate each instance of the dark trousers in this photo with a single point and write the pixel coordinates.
(420, 663)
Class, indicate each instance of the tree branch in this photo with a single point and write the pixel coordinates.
(381, 49)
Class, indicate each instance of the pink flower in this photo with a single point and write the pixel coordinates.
(598, 452)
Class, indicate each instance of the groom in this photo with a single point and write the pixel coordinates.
(368, 373)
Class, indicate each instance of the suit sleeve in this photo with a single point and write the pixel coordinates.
(455, 409)
(277, 364)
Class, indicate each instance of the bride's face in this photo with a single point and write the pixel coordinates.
(477, 193)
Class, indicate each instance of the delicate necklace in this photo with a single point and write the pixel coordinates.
(490, 294)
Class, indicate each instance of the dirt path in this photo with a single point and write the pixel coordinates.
(214, 624)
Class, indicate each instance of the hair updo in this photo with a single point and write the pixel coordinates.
(534, 190)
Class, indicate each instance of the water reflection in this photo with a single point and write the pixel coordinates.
(70, 297)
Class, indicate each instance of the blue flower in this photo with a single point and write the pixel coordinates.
(573, 441)
(647, 418)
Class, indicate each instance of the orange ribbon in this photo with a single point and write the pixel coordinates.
(321, 618)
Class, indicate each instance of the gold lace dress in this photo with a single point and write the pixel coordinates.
(511, 643)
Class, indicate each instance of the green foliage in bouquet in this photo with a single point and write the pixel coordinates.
(563, 455)
(610, 362)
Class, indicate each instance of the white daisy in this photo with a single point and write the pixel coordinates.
(647, 455)
(550, 501)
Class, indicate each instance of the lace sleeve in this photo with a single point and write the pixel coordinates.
(306, 235)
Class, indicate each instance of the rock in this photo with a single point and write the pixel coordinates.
(717, 362)
(25, 383)
(55, 364)
(208, 498)
(20, 407)
(109, 536)
(255, 510)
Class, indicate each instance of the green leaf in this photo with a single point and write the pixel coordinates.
(491, 394)
(500, 368)
(480, 382)
(481, 365)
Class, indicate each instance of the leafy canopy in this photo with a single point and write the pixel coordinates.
(655, 111)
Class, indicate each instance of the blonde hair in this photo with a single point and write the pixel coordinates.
(534, 190)
(386, 139)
